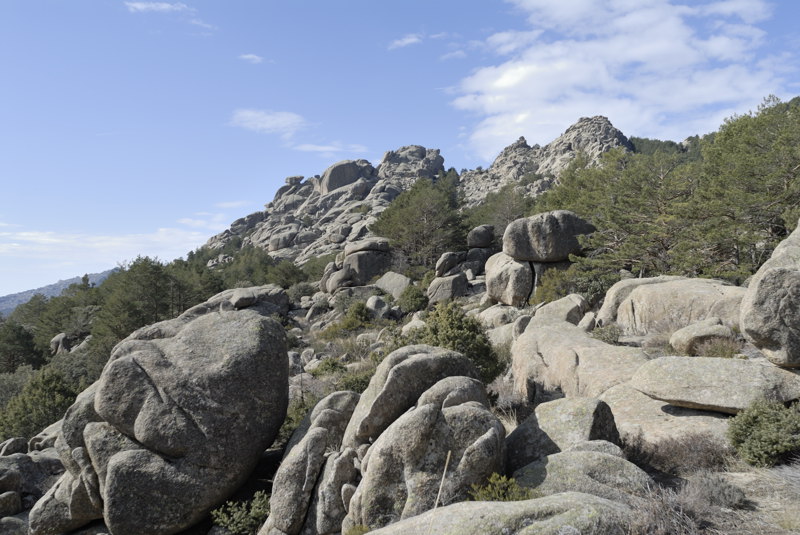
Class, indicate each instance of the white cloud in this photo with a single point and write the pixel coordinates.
(284, 123)
(331, 149)
(654, 68)
(406, 40)
(455, 54)
(251, 58)
(202, 24)
(158, 7)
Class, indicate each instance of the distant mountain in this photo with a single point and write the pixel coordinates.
(9, 302)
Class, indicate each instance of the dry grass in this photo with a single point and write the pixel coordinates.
(720, 348)
(680, 456)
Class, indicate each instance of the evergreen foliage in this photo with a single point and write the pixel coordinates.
(423, 222)
(448, 326)
(412, 299)
(500, 488)
(766, 433)
(42, 401)
(243, 518)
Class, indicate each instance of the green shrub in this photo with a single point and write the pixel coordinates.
(315, 267)
(412, 299)
(500, 489)
(448, 326)
(357, 317)
(356, 381)
(608, 333)
(298, 290)
(591, 283)
(328, 366)
(243, 518)
(766, 433)
(43, 400)
(297, 410)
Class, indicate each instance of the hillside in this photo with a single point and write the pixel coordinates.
(9, 302)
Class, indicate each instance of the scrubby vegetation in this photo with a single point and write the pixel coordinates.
(500, 488)
(243, 518)
(766, 433)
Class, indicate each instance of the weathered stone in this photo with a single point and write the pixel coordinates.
(377, 307)
(10, 503)
(370, 244)
(447, 288)
(639, 417)
(498, 315)
(570, 309)
(559, 514)
(393, 283)
(294, 483)
(13, 445)
(343, 174)
(366, 265)
(481, 236)
(447, 262)
(397, 385)
(402, 470)
(620, 291)
(202, 395)
(455, 390)
(59, 344)
(546, 237)
(770, 311)
(670, 305)
(508, 281)
(600, 474)
(561, 356)
(558, 426)
(686, 341)
(715, 384)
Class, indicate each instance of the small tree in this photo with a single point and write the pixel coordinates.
(42, 401)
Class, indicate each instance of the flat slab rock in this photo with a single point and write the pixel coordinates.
(715, 384)
(551, 515)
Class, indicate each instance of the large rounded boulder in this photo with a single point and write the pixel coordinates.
(176, 422)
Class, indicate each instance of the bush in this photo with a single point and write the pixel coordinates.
(500, 489)
(357, 317)
(356, 381)
(680, 456)
(766, 433)
(448, 326)
(298, 290)
(726, 348)
(328, 366)
(243, 518)
(315, 267)
(43, 400)
(591, 283)
(608, 333)
(412, 299)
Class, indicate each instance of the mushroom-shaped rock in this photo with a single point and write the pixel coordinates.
(403, 469)
(176, 422)
(715, 384)
(546, 237)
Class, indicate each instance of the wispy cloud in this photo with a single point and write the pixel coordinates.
(655, 68)
(283, 123)
(251, 58)
(406, 40)
(455, 54)
(201, 24)
(157, 7)
(331, 149)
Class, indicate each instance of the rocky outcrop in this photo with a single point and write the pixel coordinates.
(715, 384)
(508, 281)
(591, 136)
(770, 317)
(559, 356)
(165, 434)
(668, 305)
(546, 237)
(559, 514)
(686, 341)
(558, 426)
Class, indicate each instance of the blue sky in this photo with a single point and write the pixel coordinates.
(133, 127)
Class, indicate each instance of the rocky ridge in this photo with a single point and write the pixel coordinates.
(317, 216)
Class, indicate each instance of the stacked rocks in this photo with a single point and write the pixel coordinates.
(531, 246)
